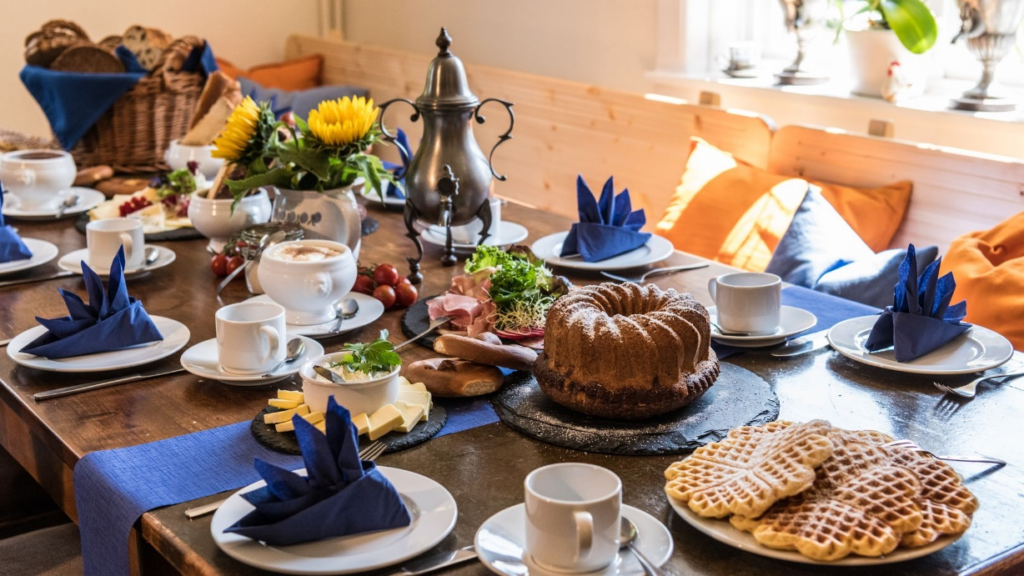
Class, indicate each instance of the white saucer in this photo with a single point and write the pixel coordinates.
(433, 512)
(42, 252)
(976, 350)
(549, 247)
(374, 198)
(370, 309)
(72, 262)
(793, 321)
(88, 199)
(501, 540)
(175, 335)
(721, 530)
(202, 360)
(508, 233)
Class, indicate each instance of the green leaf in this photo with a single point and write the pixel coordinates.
(912, 22)
(239, 188)
(376, 356)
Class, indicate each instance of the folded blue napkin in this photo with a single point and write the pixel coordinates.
(921, 318)
(74, 101)
(399, 170)
(607, 227)
(11, 246)
(342, 495)
(112, 320)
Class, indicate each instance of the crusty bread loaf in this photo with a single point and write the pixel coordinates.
(204, 133)
(87, 57)
(177, 52)
(475, 350)
(447, 377)
(148, 44)
(110, 43)
(93, 174)
(51, 40)
(218, 84)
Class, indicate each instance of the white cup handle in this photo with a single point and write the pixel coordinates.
(129, 246)
(713, 289)
(584, 534)
(274, 338)
(26, 177)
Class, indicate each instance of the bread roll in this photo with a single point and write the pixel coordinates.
(505, 355)
(93, 174)
(89, 58)
(447, 377)
(148, 44)
(51, 40)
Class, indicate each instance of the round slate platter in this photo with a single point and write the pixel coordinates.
(417, 319)
(738, 398)
(369, 226)
(395, 441)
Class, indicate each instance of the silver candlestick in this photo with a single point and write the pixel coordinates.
(990, 28)
(805, 19)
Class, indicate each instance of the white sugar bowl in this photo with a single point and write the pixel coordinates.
(307, 277)
(215, 219)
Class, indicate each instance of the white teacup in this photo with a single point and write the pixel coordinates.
(250, 337)
(470, 233)
(307, 289)
(572, 517)
(747, 302)
(104, 237)
(36, 177)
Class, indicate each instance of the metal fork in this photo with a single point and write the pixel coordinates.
(970, 389)
(911, 445)
(369, 454)
(641, 278)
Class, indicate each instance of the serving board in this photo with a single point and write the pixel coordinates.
(738, 398)
(416, 319)
(287, 442)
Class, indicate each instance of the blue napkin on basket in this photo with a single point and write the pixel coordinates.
(607, 227)
(342, 495)
(112, 320)
(11, 246)
(921, 318)
(399, 170)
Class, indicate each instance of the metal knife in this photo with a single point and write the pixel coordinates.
(234, 274)
(432, 562)
(802, 345)
(69, 390)
(434, 325)
(63, 274)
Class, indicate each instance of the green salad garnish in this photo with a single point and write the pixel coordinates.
(522, 287)
(177, 182)
(372, 357)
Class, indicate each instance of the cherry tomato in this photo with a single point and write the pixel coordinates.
(386, 274)
(219, 265)
(233, 263)
(386, 295)
(364, 285)
(406, 294)
(402, 280)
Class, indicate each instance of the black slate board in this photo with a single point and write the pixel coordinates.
(395, 441)
(369, 226)
(738, 398)
(417, 319)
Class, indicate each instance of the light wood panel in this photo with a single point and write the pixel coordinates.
(562, 128)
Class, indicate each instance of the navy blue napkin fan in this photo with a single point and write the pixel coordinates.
(341, 496)
(112, 320)
(921, 318)
(399, 170)
(11, 246)
(607, 227)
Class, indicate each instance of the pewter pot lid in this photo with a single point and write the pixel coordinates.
(446, 86)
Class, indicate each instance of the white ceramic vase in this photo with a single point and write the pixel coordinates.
(215, 220)
(871, 51)
(328, 215)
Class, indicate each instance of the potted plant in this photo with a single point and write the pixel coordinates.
(881, 32)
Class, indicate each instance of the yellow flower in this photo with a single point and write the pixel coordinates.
(238, 132)
(343, 121)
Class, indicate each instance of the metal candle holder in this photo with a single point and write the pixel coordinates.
(805, 19)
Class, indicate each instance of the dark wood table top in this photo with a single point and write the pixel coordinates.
(490, 462)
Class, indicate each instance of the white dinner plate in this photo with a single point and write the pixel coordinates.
(501, 541)
(88, 199)
(42, 252)
(203, 360)
(433, 512)
(175, 335)
(721, 530)
(549, 247)
(508, 233)
(976, 350)
(792, 322)
(370, 309)
(374, 198)
(72, 262)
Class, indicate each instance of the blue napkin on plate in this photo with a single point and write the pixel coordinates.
(399, 170)
(607, 227)
(11, 246)
(921, 318)
(112, 320)
(342, 495)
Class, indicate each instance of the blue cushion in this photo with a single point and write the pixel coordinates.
(821, 251)
(299, 102)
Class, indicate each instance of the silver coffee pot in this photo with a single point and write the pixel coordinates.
(449, 180)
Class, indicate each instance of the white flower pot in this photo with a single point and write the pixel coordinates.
(871, 51)
(215, 220)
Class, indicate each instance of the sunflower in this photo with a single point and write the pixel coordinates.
(246, 134)
(342, 122)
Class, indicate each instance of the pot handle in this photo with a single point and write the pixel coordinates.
(501, 139)
(383, 108)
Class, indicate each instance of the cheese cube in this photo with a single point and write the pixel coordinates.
(284, 404)
(362, 423)
(285, 415)
(411, 414)
(419, 386)
(288, 426)
(419, 397)
(291, 395)
(403, 381)
(313, 417)
(384, 420)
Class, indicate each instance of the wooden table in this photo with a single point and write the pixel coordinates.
(490, 462)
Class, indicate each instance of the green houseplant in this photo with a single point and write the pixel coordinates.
(881, 32)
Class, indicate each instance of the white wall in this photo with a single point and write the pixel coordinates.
(246, 32)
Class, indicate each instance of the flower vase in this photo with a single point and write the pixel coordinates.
(328, 215)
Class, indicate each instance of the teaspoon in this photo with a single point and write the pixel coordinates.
(627, 535)
(69, 202)
(295, 349)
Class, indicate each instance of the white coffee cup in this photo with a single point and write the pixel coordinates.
(36, 177)
(572, 517)
(250, 337)
(747, 302)
(470, 233)
(104, 237)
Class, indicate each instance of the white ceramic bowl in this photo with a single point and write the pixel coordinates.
(36, 177)
(214, 219)
(357, 397)
(179, 155)
(307, 290)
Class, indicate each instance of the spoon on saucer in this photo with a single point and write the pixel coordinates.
(295, 349)
(627, 535)
(70, 201)
(345, 309)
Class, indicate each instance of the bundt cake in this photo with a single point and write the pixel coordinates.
(626, 351)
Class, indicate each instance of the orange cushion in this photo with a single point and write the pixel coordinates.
(989, 271)
(874, 213)
(299, 74)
